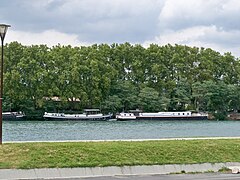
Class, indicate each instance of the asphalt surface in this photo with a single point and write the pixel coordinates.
(204, 176)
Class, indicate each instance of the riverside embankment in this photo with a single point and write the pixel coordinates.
(107, 158)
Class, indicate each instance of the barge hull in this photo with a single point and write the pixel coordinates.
(173, 118)
(165, 118)
(77, 119)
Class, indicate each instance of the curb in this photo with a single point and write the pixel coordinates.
(12, 174)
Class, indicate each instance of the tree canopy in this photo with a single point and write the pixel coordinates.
(119, 77)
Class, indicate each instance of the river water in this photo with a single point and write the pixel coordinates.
(113, 130)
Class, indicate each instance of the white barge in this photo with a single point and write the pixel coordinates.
(183, 115)
(89, 114)
(11, 116)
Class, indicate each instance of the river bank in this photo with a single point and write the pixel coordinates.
(117, 153)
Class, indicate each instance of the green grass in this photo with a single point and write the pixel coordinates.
(91, 154)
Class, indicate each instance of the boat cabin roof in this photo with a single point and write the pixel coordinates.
(135, 111)
(91, 110)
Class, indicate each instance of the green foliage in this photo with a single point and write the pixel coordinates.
(120, 77)
(149, 100)
(112, 104)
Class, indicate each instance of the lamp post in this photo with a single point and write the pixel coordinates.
(3, 31)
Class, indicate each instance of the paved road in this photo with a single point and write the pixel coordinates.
(206, 176)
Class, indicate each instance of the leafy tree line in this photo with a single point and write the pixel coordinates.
(119, 77)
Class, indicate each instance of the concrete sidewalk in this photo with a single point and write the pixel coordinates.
(11, 174)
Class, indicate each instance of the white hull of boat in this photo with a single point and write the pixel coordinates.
(77, 117)
(187, 115)
(13, 115)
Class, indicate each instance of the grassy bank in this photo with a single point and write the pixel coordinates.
(89, 154)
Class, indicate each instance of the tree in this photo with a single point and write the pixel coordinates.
(149, 100)
(120, 77)
(213, 97)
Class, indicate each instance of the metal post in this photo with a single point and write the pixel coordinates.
(3, 31)
(1, 93)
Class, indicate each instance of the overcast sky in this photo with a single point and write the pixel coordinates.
(202, 23)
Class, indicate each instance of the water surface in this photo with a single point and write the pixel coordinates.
(113, 130)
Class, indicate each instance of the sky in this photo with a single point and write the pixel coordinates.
(202, 23)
